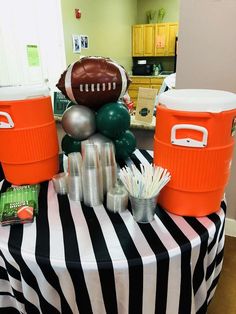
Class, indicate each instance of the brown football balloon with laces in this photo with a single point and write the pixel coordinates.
(94, 81)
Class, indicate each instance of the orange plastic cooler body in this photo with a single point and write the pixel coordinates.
(198, 174)
(29, 148)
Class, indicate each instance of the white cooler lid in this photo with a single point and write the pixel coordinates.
(198, 100)
(23, 92)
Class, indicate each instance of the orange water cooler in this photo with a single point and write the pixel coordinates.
(194, 140)
(28, 137)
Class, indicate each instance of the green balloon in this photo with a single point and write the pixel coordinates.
(112, 119)
(70, 145)
(125, 145)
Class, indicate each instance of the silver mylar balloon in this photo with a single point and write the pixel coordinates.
(99, 139)
(79, 122)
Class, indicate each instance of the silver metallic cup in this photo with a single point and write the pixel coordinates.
(143, 209)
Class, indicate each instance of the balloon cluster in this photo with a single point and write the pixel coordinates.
(110, 122)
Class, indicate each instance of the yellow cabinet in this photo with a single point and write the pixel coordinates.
(172, 33)
(161, 39)
(165, 39)
(143, 38)
(148, 39)
(143, 81)
(154, 39)
(137, 40)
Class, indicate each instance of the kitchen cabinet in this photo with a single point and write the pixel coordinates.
(154, 39)
(143, 81)
(143, 38)
(137, 40)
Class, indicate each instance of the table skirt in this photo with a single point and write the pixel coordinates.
(79, 259)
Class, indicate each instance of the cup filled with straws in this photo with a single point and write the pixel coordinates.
(143, 187)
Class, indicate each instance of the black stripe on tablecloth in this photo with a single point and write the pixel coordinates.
(61, 166)
(29, 307)
(104, 261)
(42, 247)
(134, 262)
(12, 271)
(3, 274)
(5, 185)
(18, 295)
(222, 231)
(163, 259)
(217, 260)
(217, 222)
(9, 310)
(185, 247)
(2, 176)
(136, 161)
(14, 247)
(7, 293)
(199, 273)
(203, 308)
(223, 206)
(72, 256)
(146, 155)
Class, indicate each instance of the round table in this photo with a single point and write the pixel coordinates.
(79, 259)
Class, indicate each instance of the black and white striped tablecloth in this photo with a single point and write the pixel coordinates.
(77, 259)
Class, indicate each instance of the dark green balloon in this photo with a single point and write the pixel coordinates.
(125, 145)
(112, 119)
(70, 145)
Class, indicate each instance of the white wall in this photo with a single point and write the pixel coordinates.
(31, 22)
(207, 44)
(207, 56)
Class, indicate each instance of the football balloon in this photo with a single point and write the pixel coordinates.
(94, 81)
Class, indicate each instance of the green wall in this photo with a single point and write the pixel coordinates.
(171, 7)
(106, 23)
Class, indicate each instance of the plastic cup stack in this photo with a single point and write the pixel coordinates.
(92, 175)
(109, 166)
(60, 183)
(117, 199)
(75, 189)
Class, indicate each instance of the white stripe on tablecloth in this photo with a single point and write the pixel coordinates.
(195, 242)
(121, 268)
(88, 259)
(150, 152)
(216, 273)
(1, 183)
(5, 286)
(28, 292)
(140, 157)
(174, 276)
(57, 251)
(149, 262)
(10, 301)
(200, 295)
(27, 252)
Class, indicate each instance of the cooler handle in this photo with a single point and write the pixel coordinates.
(189, 142)
(5, 125)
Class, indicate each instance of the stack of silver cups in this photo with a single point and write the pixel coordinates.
(92, 175)
(74, 180)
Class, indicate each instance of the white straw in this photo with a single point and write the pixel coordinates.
(145, 183)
